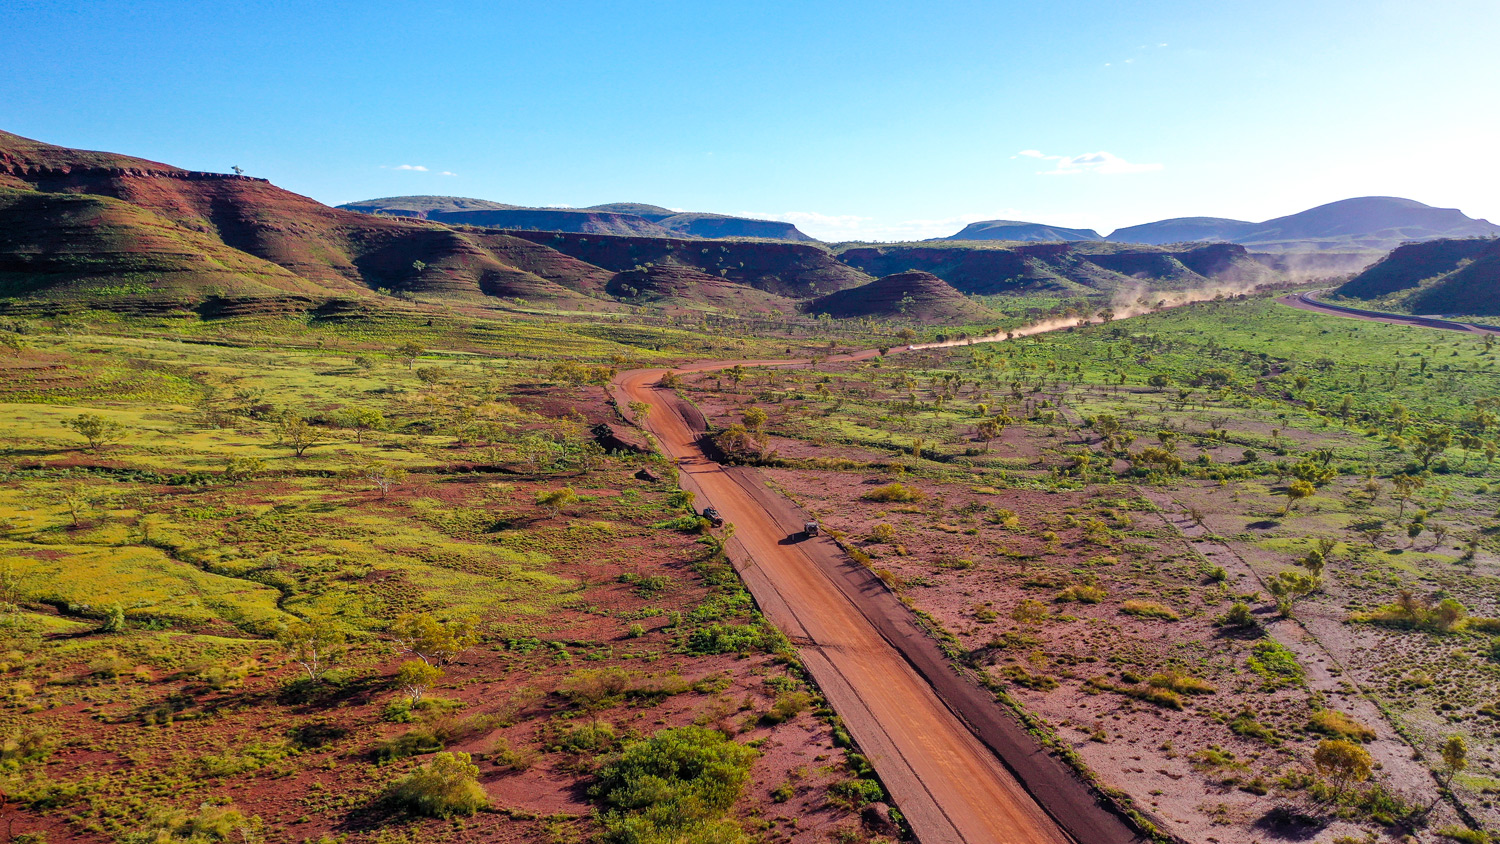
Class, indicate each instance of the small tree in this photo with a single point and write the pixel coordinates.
(415, 677)
(1431, 443)
(640, 410)
(1455, 758)
(114, 620)
(434, 642)
(555, 500)
(988, 430)
(446, 787)
(1295, 492)
(409, 352)
(755, 419)
(98, 431)
(384, 476)
(297, 433)
(1289, 587)
(1406, 486)
(362, 419)
(1343, 763)
(314, 643)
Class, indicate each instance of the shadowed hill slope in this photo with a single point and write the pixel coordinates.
(1460, 276)
(915, 295)
(1063, 267)
(793, 270)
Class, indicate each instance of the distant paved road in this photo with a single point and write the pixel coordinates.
(899, 701)
(1307, 302)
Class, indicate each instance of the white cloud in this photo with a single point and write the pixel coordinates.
(1090, 162)
(419, 168)
(447, 173)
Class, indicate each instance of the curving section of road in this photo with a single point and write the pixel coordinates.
(1309, 302)
(959, 768)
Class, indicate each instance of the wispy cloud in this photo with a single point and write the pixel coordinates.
(1106, 163)
(416, 168)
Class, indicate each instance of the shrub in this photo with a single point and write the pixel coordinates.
(1182, 683)
(726, 639)
(1148, 609)
(788, 705)
(1239, 615)
(1274, 663)
(883, 533)
(895, 492)
(410, 743)
(1082, 593)
(1337, 724)
(445, 787)
(675, 786)
(854, 794)
(596, 737)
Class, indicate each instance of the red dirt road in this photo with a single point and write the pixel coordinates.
(950, 786)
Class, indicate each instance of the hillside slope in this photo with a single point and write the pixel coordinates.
(1460, 276)
(1183, 230)
(914, 295)
(1358, 227)
(1015, 230)
(1078, 267)
(792, 270)
(622, 218)
(166, 233)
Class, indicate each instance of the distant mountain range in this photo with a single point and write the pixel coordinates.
(624, 218)
(1362, 225)
(82, 230)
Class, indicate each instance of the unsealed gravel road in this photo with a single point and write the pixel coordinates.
(952, 759)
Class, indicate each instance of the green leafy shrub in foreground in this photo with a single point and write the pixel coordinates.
(675, 786)
(446, 787)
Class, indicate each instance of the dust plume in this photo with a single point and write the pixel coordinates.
(1126, 303)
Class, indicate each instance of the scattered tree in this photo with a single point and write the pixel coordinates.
(362, 419)
(434, 642)
(314, 643)
(1343, 763)
(415, 677)
(409, 352)
(96, 430)
(1295, 492)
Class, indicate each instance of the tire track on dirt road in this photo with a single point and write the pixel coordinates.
(959, 767)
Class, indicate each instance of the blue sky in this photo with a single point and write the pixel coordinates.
(855, 120)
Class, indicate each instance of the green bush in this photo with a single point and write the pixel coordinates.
(854, 794)
(1337, 724)
(674, 787)
(446, 787)
(411, 743)
(895, 492)
(1083, 593)
(1274, 663)
(1148, 609)
(726, 639)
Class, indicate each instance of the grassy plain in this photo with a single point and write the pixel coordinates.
(152, 582)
